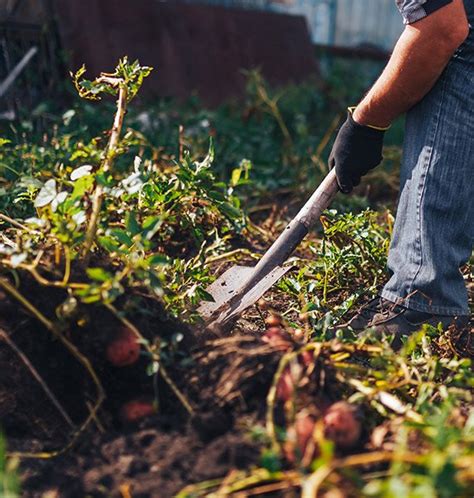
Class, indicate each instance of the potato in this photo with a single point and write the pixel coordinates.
(124, 349)
(303, 317)
(304, 425)
(273, 321)
(135, 410)
(298, 334)
(276, 338)
(262, 304)
(300, 444)
(306, 358)
(341, 425)
(274, 332)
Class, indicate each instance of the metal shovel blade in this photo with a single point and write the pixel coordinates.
(229, 284)
(241, 286)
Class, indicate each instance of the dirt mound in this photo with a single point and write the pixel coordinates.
(46, 394)
(213, 393)
(154, 461)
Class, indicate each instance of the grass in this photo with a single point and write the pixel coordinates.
(347, 264)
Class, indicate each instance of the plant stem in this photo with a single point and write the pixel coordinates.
(317, 347)
(275, 112)
(83, 360)
(111, 153)
(37, 376)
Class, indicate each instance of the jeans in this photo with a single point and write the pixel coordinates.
(434, 228)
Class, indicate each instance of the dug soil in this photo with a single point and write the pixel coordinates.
(46, 394)
(196, 419)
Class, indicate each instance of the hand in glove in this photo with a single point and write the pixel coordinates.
(356, 151)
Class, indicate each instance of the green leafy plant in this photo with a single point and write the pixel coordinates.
(349, 262)
(150, 209)
(99, 220)
(138, 224)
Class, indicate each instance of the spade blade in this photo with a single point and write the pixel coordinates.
(226, 288)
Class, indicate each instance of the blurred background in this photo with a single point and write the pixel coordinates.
(269, 79)
(196, 45)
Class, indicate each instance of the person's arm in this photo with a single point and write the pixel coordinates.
(419, 58)
(436, 28)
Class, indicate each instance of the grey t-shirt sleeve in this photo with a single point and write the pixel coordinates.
(414, 10)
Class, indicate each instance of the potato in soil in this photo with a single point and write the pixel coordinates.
(135, 410)
(273, 321)
(341, 424)
(124, 349)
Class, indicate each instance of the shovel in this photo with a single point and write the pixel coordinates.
(241, 286)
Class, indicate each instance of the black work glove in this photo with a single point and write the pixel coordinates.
(356, 151)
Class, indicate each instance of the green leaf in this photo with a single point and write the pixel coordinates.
(230, 211)
(46, 194)
(204, 295)
(235, 178)
(153, 368)
(99, 274)
(109, 244)
(81, 186)
(122, 236)
(270, 461)
(131, 223)
(157, 260)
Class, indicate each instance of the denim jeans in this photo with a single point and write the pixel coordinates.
(434, 228)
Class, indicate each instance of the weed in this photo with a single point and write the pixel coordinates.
(348, 263)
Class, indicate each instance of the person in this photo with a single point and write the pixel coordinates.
(430, 75)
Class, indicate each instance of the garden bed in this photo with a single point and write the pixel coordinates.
(110, 384)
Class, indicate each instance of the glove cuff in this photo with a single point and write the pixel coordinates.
(350, 111)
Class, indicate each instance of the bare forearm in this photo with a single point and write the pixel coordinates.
(418, 60)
